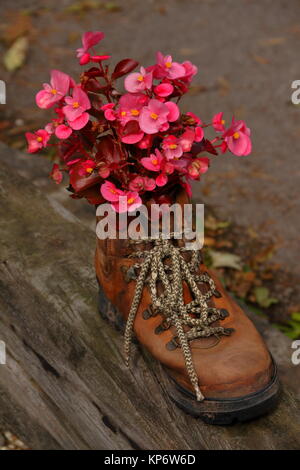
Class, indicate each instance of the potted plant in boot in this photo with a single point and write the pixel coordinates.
(136, 148)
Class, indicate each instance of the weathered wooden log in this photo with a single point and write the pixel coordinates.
(65, 384)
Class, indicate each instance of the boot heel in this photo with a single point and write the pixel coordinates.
(109, 313)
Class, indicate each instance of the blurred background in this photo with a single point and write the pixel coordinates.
(247, 52)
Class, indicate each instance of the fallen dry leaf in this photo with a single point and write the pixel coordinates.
(223, 86)
(15, 57)
(272, 41)
(209, 241)
(222, 259)
(260, 59)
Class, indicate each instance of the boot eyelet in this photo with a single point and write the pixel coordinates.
(224, 313)
(228, 331)
(146, 314)
(159, 329)
(217, 294)
(172, 345)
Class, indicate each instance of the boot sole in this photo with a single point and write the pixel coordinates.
(211, 411)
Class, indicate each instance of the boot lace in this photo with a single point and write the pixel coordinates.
(191, 320)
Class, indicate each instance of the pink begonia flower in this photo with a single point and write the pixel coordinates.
(167, 169)
(63, 131)
(137, 82)
(86, 168)
(155, 116)
(137, 184)
(187, 139)
(161, 180)
(142, 183)
(131, 132)
(199, 134)
(56, 174)
(172, 147)
(130, 106)
(128, 202)
(149, 184)
(237, 138)
(154, 162)
(109, 112)
(57, 126)
(198, 167)
(58, 88)
(99, 58)
(193, 118)
(37, 140)
(89, 39)
(166, 68)
(75, 110)
(163, 90)
(145, 142)
(174, 112)
(190, 71)
(110, 192)
(70, 163)
(218, 122)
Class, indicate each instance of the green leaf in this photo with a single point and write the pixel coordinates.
(16, 54)
(83, 6)
(296, 316)
(221, 259)
(262, 295)
(292, 329)
(213, 224)
(112, 6)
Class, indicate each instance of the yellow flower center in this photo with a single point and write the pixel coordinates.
(173, 146)
(53, 91)
(140, 78)
(123, 113)
(236, 135)
(168, 65)
(39, 139)
(89, 170)
(113, 191)
(154, 115)
(130, 200)
(135, 112)
(223, 121)
(154, 161)
(75, 105)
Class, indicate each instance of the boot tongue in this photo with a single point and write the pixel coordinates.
(123, 245)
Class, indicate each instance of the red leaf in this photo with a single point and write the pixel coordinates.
(107, 150)
(209, 147)
(92, 195)
(93, 72)
(96, 103)
(131, 127)
(123, 67)
(81, 183)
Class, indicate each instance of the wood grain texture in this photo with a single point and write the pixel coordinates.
(65, 384)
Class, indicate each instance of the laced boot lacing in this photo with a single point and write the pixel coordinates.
(196, 315)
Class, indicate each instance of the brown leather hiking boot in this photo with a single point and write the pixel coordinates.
(218, 365)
